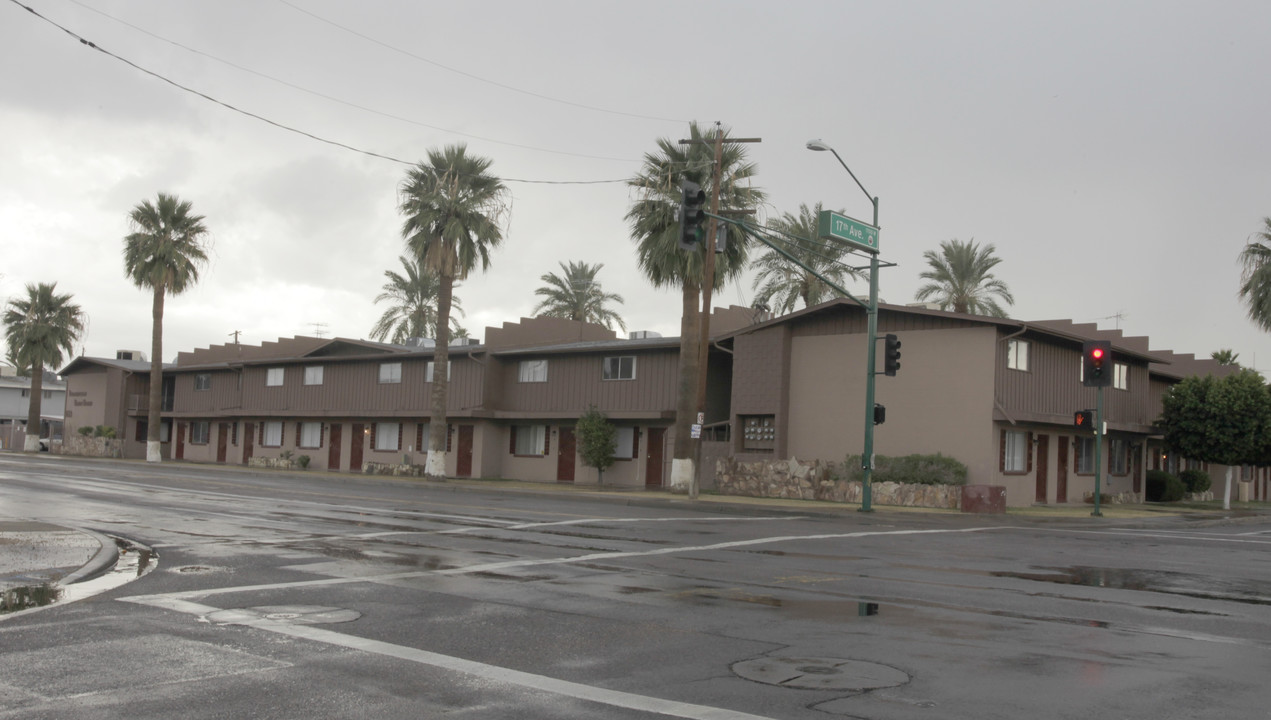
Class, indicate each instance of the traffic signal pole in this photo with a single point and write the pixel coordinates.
(871, 360)
(1098, 449)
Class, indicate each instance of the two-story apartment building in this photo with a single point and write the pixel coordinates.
(15, 405)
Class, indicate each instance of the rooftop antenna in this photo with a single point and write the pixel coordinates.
(235, 335)
(1119, 315)
(319, 329)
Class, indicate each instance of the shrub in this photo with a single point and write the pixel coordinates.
(1196, 481)
(286, 455)
(303, 461)
(911, 469)
(1163, 487)
(104, 431)
(85, 430)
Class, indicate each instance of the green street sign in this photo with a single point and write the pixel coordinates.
(833, 226)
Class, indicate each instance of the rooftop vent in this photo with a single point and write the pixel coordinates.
(643, 335)
(420, 342)
(130, 355)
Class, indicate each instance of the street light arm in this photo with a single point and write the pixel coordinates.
(872, 199)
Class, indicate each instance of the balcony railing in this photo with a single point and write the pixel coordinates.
(141, 403)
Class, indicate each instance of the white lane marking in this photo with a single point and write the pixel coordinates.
(1120, 532)
(597, 521)
(591, 557)
(615, 698)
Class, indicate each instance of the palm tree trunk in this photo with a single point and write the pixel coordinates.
(686, 402)
(435, 465)
(154, 452)
(32, 441)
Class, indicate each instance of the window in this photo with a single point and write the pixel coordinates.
(165, 430)
(1120, 376)
(1118, 457)
(273, 377)
(313, 375)
(203, 381)
(533, 371)
(199, 432)
(388, 434)
(1084, 447)
(390, 372)
(624, 445)
(1017, 354)
(421, 436)
(1015, 451)
(271, 434)
(310, 434)
(48, 394)
(620, 368)
(26, 392)
(529, 440)
(428, 372)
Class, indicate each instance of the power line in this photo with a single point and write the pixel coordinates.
(469, 75)
(281, 126)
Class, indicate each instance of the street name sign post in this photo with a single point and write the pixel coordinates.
(833, 226)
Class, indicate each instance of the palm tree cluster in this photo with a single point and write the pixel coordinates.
(781, 283)
(577, 295)
(38, 329)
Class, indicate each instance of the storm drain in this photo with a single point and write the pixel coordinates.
(291, 614)
(821, 673)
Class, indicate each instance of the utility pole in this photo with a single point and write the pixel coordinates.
(235, 335)
(708, 244)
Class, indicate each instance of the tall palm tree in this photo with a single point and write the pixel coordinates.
(780, 284)
(164, 252)
(1226, 356)
(1255, 281)
(38, 329)
(452, 207)
(576, 295)
(414, 309)
(654, 227)
(962, 281)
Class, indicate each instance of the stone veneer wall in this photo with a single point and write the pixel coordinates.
(796, 480)
(378, 468)
(90, 446)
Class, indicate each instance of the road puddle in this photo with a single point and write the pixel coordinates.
(134, 561)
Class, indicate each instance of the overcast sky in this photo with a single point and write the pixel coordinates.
(1117, 154)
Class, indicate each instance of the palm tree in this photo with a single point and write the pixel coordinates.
(38, 329)
(414, 309)
(780, 283)
(1225, 356)
(164, 252)
(452, 207)
(576, 295)
(961, 279)
(654, 226)
(1255, 281)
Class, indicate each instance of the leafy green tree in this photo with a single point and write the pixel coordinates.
(962, 279)
(452, 206)
(38, 329)
(596, 440)
(1219, 420)
(413, 312)
(576, 295)
(780, 284)
(1225, 356)
(654, 225)
(1255, 281)
(164, 252)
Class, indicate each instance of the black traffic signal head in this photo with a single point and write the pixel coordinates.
(1096, 363)
(880, 414)
(692, 213)
(891, 354)
(1083, 419)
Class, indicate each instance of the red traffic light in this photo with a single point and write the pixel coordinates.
(1097, 353)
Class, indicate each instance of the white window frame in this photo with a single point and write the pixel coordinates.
(390, 373)
(310, 435)
(1015, 454)
(275, 376)
(614, 367)
(313, 375)
(386, 436)
(532, 371)
(1085, 460)
(271, 433)
(1017, 355)
(624, 443)
(530, 440)
(200, 432)
(202, 382)
(428, 369)
(1120, 376)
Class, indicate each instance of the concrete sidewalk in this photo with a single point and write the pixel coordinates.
(34, 554)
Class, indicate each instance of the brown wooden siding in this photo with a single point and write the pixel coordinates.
(575, 382)
(852, 320)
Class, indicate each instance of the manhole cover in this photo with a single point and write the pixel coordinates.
(821, 673)
(290, 614)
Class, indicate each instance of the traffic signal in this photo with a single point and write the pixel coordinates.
(691, 215)
(880, 414)
(1096, 363)
(891, 354)
(1083, 419)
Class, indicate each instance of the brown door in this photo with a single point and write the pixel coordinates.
(180, 442)
(333, 455)
(1043, 466)
(222, 441)
(357, 441)
(565, 455)
(249, 441)
(463, 464)
(1061, 471)
(653, 457)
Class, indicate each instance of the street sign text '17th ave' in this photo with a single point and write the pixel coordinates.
(833, 226)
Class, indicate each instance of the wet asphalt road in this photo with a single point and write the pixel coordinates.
(316, 596)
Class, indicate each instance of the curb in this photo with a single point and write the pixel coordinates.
(105, 558)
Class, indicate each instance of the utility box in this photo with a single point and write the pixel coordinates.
(1245, 492)
(986, 499)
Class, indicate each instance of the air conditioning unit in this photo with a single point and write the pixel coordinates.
(420, 342)
(643, 335)
(130, 355)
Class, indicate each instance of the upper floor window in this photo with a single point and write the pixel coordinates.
(1017, 354)
(1120, 376)
(428, 371)
(273, 377)
(203, 381)
(620, 368)
(313, 375)
(391, 372)
(533, 371)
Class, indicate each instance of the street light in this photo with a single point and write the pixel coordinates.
(871, 311)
